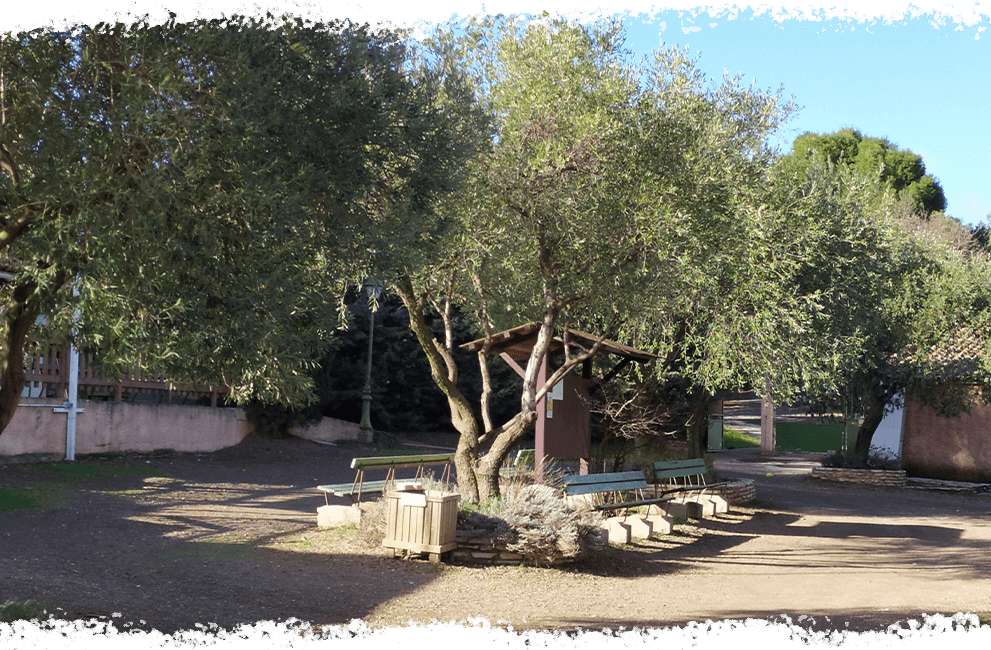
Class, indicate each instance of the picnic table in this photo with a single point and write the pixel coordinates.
(390, 464)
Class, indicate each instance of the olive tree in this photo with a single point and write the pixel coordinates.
(608, 187)
(189, 198)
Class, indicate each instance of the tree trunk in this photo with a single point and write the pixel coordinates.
(505, 438)
(444, 373)
(872, 419)
(21, 315)
(698, 419)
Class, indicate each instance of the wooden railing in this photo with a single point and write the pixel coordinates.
(47, 375)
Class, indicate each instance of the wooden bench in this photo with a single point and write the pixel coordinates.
(686, 476)
(614, 482)
(522, 463)
(620, 530)
(360, 486)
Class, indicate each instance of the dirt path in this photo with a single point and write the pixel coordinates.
(175, 540)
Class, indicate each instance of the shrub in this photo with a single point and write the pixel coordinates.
(878, 458)
(545, 528)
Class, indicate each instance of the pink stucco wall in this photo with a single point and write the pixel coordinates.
(106, 426)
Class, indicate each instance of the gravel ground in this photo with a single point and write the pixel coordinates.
(171, 540)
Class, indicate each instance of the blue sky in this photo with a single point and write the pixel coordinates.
(919, 74)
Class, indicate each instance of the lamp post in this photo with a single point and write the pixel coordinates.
(369, 288)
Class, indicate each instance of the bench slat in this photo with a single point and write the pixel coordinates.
(349, 489)
(679, 464)
(619, 486)
(677, 473)
(601, 478)
(385, 462)
(690, 488)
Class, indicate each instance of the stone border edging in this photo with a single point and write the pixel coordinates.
(736, 492)
(881, 477)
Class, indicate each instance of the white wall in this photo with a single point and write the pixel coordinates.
(889, 432)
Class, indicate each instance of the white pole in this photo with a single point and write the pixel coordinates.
(70, 406)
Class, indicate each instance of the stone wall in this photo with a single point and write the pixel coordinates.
(478, 547)
(883, 477)
(736, 492)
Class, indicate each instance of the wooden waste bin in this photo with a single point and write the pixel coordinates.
(421, 521)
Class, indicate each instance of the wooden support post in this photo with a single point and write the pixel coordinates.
(766, 426)
(539, 447)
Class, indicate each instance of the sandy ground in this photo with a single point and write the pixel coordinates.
(230, 538)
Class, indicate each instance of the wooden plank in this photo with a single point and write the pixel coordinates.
(618, 486)
(347, 489)
(577, 479)
(678, 472)
(631, 504)
(679, 464)
(385, 462)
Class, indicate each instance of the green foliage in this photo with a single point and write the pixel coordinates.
(608, 200)
(538, 523)
(404, 397)
(899, 169)
(876, 459)
(191, 198)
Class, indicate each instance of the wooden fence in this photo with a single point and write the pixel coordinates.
(48, 377)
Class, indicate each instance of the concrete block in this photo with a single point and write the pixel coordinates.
(640, 528)
(660, 523)
(721, 504)
(619, 531)
(338, 516)
(700, 508)
(676, 509)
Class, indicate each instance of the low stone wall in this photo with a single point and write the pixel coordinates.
(883, 477)
(477, 546)
(737, 492)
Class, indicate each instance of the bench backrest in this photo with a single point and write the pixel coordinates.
(392, 462)
(524, 458)
(595, 483)
(679, 468)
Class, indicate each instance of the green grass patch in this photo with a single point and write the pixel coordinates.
(733, 439)
(23, 610)
(208, 551)
(78, 472)
(51, 485)
(34, 497)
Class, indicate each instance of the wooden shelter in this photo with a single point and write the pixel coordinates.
(563, 417)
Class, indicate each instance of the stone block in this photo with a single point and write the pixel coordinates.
(660, 523)
(676, 509)
(338, 516)
(640, 528)
(721, 504)
(700, 508)
(599, 537)
(619, 531)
